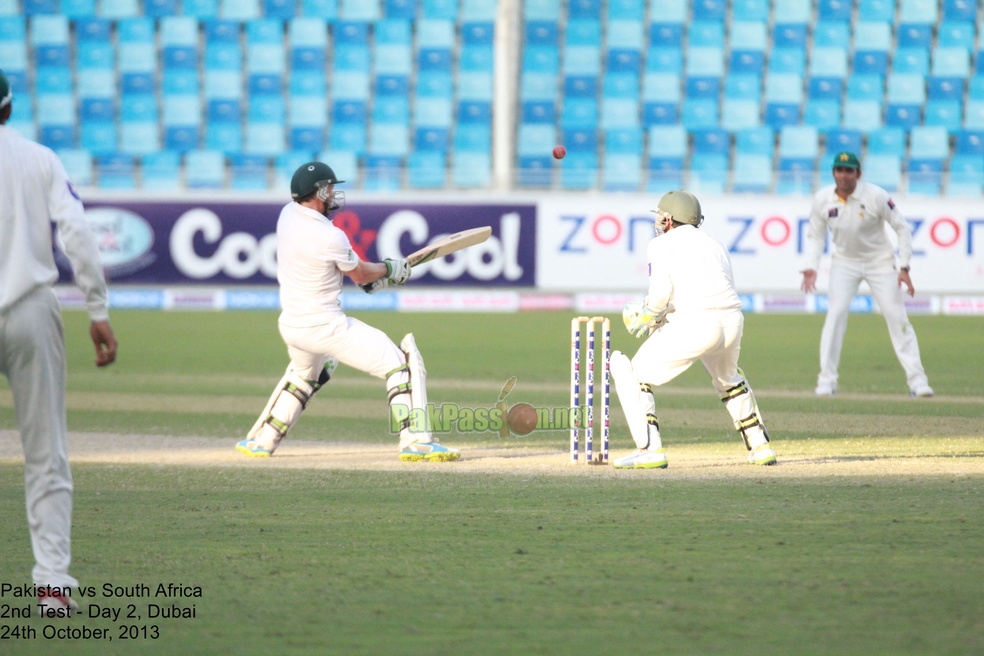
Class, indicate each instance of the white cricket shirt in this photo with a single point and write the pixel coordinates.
(857, 226)
(34, 191)
(690, 270)
(312, 255)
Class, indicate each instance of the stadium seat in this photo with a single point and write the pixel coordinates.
(249, 172)
(832, 34)
(200, 9)
(700, 113)
(946, 88)
(471, 170)
(944, 113)
(792, 12)
(876, 10)
(78, 165)
(750, 10)
(883, 170)
(914, 61)
(956, 34)
(966, 177)
(478, 10)
(752, 173)
(705, 61)
(918, 11)
(383, 173)
(951, 62)
(204, 169)
(787, 60)
(755, 141)
(116, 171)
(834, 10)
(708, 173)
(836, 141)
(426, 170)
(887, 141)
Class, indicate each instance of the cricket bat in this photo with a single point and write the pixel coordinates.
(449, 244)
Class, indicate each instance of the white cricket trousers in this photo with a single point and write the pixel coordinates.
(349, 340)
(711, 336)
(32, 357)
(883, 279)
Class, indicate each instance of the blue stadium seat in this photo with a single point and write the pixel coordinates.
(664, 60)
(626, 9)
(161, 171)
(887, 141)
(538, 111)
(740, 108)
(798, 142)
(541, 59)
(478, 10)
(621, 172)
(619, 112)
(181, 139)
(700, 113)
(537, 86)
(822, 113)
(118, 8)
(787, 60)
(924, 177)
(792, 12)
(705, 61)
(139, 133)
(868, 62)
(116, 171)
(223, 129)
(667, 150)
(883, 170)
(836, 141)
(434, 84)
(581, 86)
(753, 173)
(703, 87)
(309, 139)
(966, 178)
(432, 139)
(348, 137)
(204, 169)
(918, 11)
(544, 10)
(705, 33)
(624, 34)
(669, 11)
(750, 10)
(955, 34)
(929, 143)
(789, 35)
(472, 138)
(876, 10)
(666, 35)
(710, 10)
(281, 9)
(783, 95)
(78, 165)
(426, 170)
(582, 60)
(312, 112)
(584, 8)
(536, 139)
(432, 112)
(945, 113)
(906, 95)
(951, 62)
(748, 36)
(49, 30)
(756, 141)
(57, 137)
(579, 170)
(832, 34)
(825, 88)
(391, 109)
(471, 170)
(200, 9)
(797, 160)
(708, 173)
(970, 142)
(873, 36)
(711, 141)
(946, 88)
(834, 10)
(623, 60)
(95, 55)
(915, 36)
(389, 139)
(959, 10)
(249, 172)
(241, 10)
(743, 61)
(583, 33)
(85, 8)
(828, 62)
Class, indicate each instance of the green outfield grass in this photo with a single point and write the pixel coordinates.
(859, 547)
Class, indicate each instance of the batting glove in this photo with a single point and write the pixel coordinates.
(397, 271)
(376, 285)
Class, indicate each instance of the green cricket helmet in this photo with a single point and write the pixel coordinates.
(312, 177)
(680, 206)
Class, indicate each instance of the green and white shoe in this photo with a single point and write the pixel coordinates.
(429, 451)
(254, 449)
(643, 459)
(762, 455)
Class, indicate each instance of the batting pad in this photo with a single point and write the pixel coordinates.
(637, 404)
(418, 391)
(744, 411)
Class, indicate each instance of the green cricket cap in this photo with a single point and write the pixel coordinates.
(6, 95)
(847, 160)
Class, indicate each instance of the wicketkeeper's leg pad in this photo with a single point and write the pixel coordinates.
(288, 400)
(744, 411)
(637, 402)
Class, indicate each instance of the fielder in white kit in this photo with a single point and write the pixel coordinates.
(34, 192)
(691, 313)
(312, 256)
(856, 214)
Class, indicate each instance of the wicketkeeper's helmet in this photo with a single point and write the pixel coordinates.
(311, 177)
(681, 206)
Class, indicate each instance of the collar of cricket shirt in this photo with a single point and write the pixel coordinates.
(311, 213)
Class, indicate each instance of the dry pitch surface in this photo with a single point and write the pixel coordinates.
(867, 445)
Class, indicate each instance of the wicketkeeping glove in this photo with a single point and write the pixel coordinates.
(641, 320)
(397, 271)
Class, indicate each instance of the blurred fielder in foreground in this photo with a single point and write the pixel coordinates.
(856, 214)
(312, 256)
(34, 192)
(691, 313)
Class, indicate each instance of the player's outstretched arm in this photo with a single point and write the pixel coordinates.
(394, 272)
(105, 342)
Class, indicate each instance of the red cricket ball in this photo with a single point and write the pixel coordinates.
(559, 152)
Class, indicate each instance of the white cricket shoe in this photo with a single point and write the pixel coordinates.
(762, 455)
(643, 459)
(921, 391)
(825, 390)
(53, 604)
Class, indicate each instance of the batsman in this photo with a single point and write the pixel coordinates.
(691, 313)
(312, 256)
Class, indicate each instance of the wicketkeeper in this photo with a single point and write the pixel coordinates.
(312, 256)
(691, 313)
